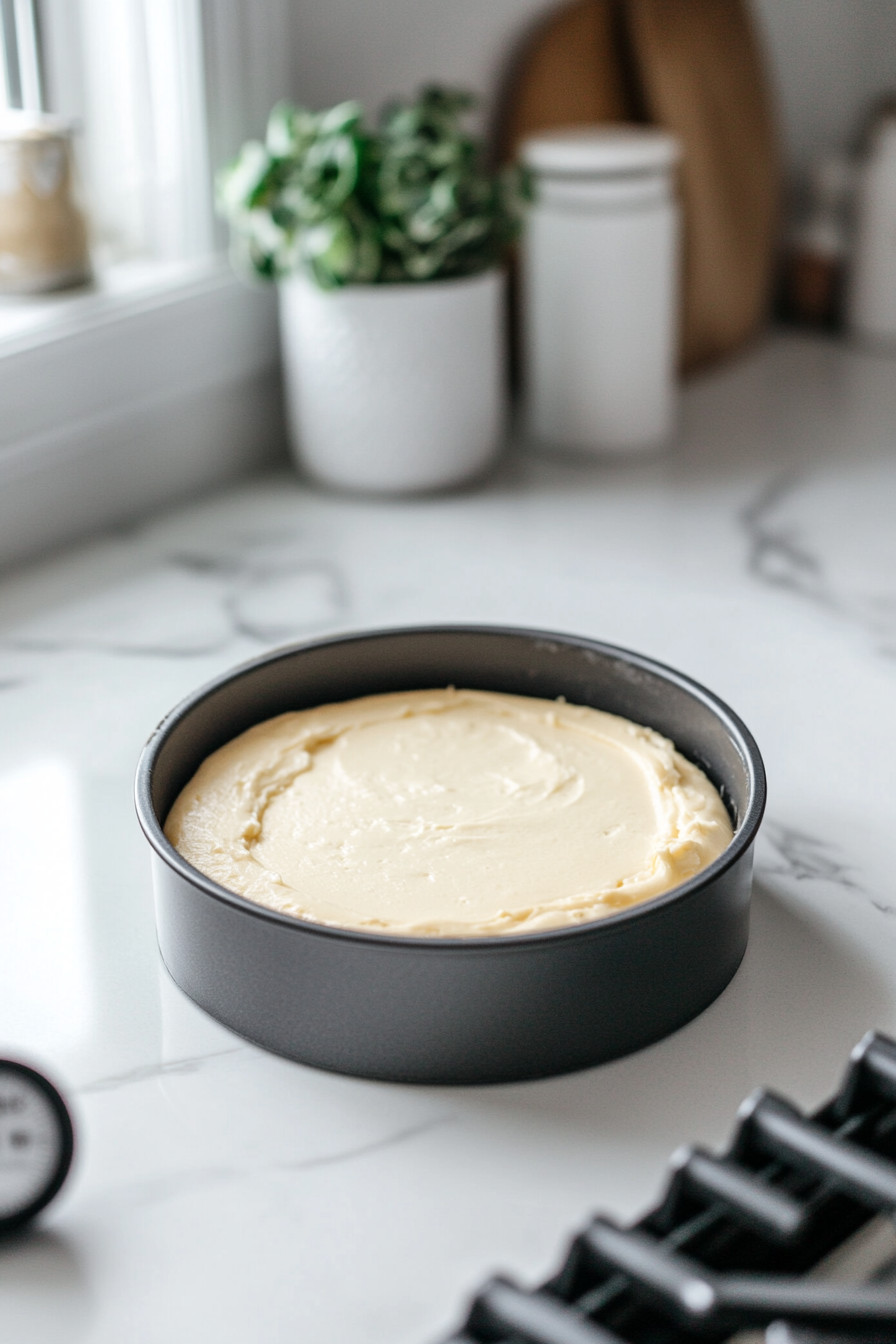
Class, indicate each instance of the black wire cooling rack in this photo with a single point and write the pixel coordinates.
(729, 1246)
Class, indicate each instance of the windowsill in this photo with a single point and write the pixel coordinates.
(30, 319)
(154, 383)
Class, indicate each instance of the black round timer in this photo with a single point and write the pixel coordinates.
(36, 1143)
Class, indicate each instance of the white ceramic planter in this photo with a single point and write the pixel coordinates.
(394, 388)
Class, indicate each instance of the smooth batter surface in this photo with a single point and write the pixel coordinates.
(449, 812)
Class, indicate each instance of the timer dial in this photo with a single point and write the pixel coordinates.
(36, 1143)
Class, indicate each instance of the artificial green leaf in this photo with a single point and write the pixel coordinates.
(410, 202)
(339, 119)
(290, 130)
(238, 181)
(325, 178)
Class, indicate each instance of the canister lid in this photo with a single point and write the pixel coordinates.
(600, 151)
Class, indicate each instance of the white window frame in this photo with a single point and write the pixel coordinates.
(20, 17)
(163, 379)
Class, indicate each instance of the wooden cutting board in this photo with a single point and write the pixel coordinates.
(567, 72)
(694, 67)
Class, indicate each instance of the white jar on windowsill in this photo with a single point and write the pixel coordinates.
(600, 289)
(394, 388)
(43, 236)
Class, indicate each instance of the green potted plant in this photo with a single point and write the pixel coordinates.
(387, 247)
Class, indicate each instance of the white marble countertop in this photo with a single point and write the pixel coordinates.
(223, 1194)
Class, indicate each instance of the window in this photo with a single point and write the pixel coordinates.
(129, 75)
(162, 379)
(20, 83)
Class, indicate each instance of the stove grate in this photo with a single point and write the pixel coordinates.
(730, 1244)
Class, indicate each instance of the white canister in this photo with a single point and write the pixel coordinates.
(871, 307)
(395, 388)
(600, 289)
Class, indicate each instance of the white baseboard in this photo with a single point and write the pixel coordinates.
(130, 401)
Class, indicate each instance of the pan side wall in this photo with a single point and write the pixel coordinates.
(440, 1013)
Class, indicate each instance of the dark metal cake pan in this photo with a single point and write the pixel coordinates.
(454, 1010)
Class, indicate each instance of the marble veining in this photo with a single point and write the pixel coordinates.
(184, 1184)
(271, 592)
(777, 555)
(795, 527)
(351, 1154)
(805, 858)
(263, 597)
(799, 857)
(167, 1066)
(222, 1193)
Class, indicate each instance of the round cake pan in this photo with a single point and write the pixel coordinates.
(454, 1010)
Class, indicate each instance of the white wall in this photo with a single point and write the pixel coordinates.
(829, 57)
(375, 49)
